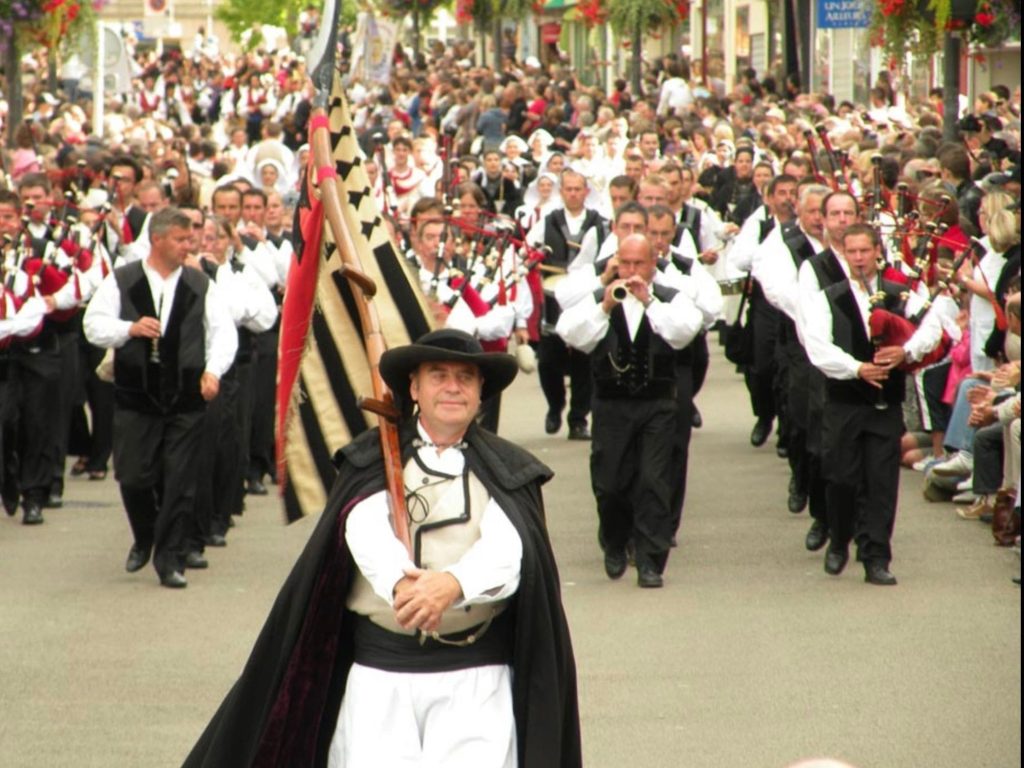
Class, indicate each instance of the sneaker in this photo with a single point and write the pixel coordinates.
(922, 465)
(960, 465)
(966, 485)
(965, 497)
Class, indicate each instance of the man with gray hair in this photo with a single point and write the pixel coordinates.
(174, 341)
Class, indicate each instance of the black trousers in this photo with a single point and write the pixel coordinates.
(36, 382)
(701, 361)
(8, 434)
(555, 361)
(264, 390)
(861, 459)
(61, 407)
(92, 437)
(802, 387)
(244, 405)
(988, 460)
(157, 459)
(632, 472)
(684, 429)
(220, 479)
(760, 375)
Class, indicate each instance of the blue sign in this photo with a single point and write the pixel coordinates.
(843, 14)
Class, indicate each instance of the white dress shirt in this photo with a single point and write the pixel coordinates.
(24, 321)
(249, 301)
(104, 327)
(585, 324)
(775, 269)
(837, 363)
(740, 257)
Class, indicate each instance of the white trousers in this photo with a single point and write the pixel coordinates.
(460, 719)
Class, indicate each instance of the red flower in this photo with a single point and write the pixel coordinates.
(983, 19)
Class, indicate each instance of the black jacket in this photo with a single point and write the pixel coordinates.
(283, 710)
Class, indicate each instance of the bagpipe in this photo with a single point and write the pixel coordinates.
(892, 328)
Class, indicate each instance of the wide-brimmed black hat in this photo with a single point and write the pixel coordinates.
(447, 346)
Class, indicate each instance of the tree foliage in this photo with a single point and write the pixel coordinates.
(240, 15)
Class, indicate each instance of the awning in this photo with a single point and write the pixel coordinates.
(558, 5)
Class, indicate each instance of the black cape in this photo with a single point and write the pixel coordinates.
(284, 707)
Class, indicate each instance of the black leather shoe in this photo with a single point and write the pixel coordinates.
(835, 561)
(878, 573)
(759, 435)
(797, 501)
(54, 501)
(10, 505)
(579, 432)
(216, 540)
(137, 559)
(781, 451)
(648, 578)
(614, 564)
(817, 537)
(196, 561)
(552, 422)
(173, 580)
(696, 420)
(32, 514)
(256, 488)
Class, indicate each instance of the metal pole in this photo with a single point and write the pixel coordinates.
(98, 84)
(951, 87)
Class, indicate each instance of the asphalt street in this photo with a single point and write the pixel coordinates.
(749, 657)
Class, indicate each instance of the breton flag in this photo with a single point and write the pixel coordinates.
(322, 368)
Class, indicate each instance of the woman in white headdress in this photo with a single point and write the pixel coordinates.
(271, 176)
(540, 198)
(539, 142)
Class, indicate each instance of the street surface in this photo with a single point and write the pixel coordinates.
(750, 657)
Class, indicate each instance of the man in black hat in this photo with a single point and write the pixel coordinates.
(455, 654)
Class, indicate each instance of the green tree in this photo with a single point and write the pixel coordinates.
(240, 15)
(490, 14)
(631, 19)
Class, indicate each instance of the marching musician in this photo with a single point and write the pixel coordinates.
(19, 321)
(503, 196)
(776, 267)
(863, 418)
(175, 340)
(562, 231)
(631, 330)
(760, 375)
(226, 446)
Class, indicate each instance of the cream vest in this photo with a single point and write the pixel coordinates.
(445, 517)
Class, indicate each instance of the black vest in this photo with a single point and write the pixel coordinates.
(689, 221)
(557, 236)
(641, 368)
(849, 333)
(801, 250)
(171, 383)
(827, 268)
(766, 224)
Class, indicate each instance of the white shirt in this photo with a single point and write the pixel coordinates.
(585, 324)
(488, 571)
(983, 316)
(23, 322)
(837, 363)
(775, 269)
(495, 324)
(740, 257)
(104, 327)
(248, 299)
